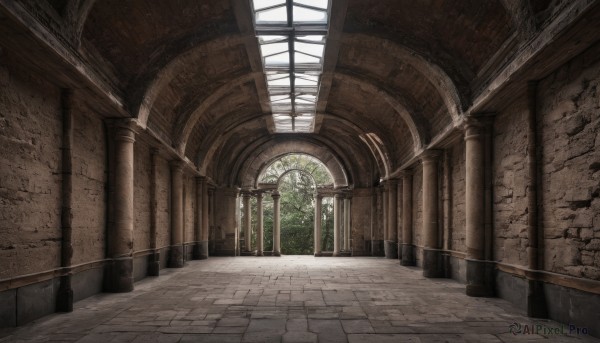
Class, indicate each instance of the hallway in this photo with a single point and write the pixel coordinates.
(289, 299)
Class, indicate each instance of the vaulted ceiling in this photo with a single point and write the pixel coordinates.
(398, 76)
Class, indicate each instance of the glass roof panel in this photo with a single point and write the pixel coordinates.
(314, 3)
(293, 101)
(305, 59)
(282, 59)
(312, 38)
(268, 39)
(279, 82)
(307, 15)
(274, 15)
(274, 48)
(310, 49)
(260, 4)
(304, 82)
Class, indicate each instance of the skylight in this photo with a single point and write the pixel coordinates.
(292, 34)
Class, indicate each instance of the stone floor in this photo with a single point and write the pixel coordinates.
(289, 299)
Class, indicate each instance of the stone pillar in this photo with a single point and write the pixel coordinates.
(176, 252)
(154, 257)
(391, 245)
(204, 212)
(478, 281)
(197, 252)
(119, 276)
(64, 297)
(260, 224)
(336, 224)
(408, 254)
(318, 215)
(432, 257)
(247, 222)
(347, 230)
(276, 224)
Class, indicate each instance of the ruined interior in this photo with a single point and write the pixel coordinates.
(462, 138)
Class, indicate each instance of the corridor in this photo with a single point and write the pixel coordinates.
(292, 299)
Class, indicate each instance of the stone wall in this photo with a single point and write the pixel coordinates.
(361, 220)
(30, 187)
(569, 125)
(163, 222)
(417, 199)
(456, 231)
(89, 186)
(510, 177)
(189, 207)
(141, 192)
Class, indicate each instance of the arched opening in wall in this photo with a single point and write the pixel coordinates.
(297, 190)
(296, 180)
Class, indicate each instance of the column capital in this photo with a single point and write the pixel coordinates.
(338, 195)
(406, 173)
(275, 195)
(318, 195)
(258, 195)
(477, 124)
(430, 156)
(177, 165)
(246, 193)
(124, 129)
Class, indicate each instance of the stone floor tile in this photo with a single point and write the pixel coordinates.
(357, 326)
(300, 337)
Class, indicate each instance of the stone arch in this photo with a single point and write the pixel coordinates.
(418, 129)
(251, 170)
(280, 174)
(453, 99)
(142, 105)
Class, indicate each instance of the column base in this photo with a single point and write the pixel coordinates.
(391, 249)
(318, 254)
(154, 263)
(260, 253)
(407, 255)
(176, 256)
(196, 251)
(536, 300)
(118, 277)
(433, 266)
(335, 254)
(64, 298)
(377, 248)
(276, 253)
(203, 246)
(480, 278)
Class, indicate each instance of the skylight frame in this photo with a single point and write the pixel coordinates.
(306, 70)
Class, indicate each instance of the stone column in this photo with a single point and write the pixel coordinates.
(391, 245)
(318, 215)
(477, 269)
(408, 254)
(432, 257)
(247, 222)
(347, 223)
(64, 297)
(176, 252)
(336, 224)
(120, 238)
(197, 252)
(276, 224)
(260, 223)
(205, 218)
(154, 257)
